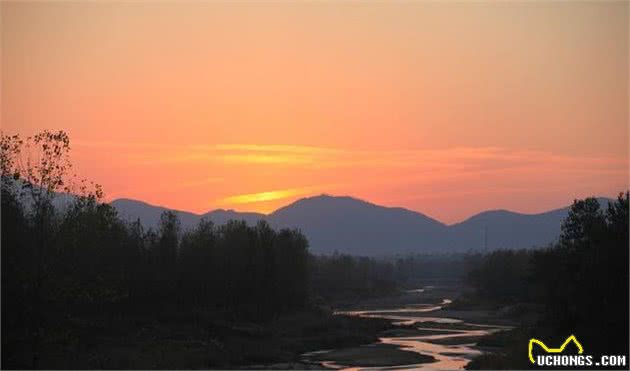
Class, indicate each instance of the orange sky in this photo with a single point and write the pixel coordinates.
(444, 108)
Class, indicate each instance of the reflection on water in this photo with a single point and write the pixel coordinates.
(452, 348)
(404, 315)
(449, 357)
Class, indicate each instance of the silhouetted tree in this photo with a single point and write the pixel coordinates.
(36, 169)
(582, 281)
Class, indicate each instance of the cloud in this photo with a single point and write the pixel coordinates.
(266, 196)
(288, 169)
(275, 148)
(124, 145)
(255, 158)
(451, 161)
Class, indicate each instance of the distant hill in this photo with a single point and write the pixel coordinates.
(221, 216)
(149, 215)
(349, 225)
(353, 226)
(505, 229)
(498, 229)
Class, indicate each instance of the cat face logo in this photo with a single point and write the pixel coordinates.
(553, 350)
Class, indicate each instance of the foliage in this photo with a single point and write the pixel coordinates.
(502, 275)
(40, 166)
(33, 171)
(344, 277)
(582, 281)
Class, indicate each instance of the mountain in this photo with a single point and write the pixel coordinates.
(221, 216)
(502, 229)
(496, 229)
(353, 226)
(349, 225)
(149, 215)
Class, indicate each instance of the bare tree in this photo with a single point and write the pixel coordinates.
(39, 168)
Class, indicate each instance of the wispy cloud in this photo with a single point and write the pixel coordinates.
(276, 148)
(256, 158)
(449, 160)
(124, 145)
(266, 176)
(266, 196)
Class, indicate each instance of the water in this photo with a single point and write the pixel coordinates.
(452, 346)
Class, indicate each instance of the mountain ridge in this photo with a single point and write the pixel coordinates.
(350, 225)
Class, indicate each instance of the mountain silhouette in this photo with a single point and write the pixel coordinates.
(149, 215)
(353, 226)
(497, 229)
(221, 216)
(349, 225)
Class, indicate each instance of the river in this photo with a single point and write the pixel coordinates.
(430, 330)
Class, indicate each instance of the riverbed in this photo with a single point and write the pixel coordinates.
(429, 335)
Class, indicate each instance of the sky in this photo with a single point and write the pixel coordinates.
(447, 108)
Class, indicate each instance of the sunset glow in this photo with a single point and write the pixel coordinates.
(444, 108)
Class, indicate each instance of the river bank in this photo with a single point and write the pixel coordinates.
(428, 334)
(176, 338)
(416, 329)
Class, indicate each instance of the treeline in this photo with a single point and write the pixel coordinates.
(418, 270)
(94, 257)
(343, 277)
(581, 282)
(87, 261)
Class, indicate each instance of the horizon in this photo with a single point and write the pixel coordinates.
(599, 197)
(442, 108)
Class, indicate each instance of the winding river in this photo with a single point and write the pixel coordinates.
(451, 341)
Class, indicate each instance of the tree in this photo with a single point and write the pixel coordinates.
(583, 224)
(38, 168)
(169, 232)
